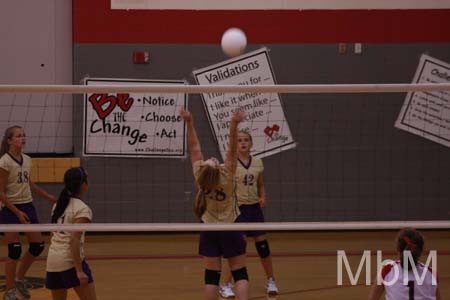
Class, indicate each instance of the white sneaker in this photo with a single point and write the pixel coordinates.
(10, 295)
(22, 288)
(272, 287)
(226, 290)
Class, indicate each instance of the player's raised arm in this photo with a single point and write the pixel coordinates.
(232, 155)
(192, 139)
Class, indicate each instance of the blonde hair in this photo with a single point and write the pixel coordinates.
(208, 179)
(247, 133)
(9, 132)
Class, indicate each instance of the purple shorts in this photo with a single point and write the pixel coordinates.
(249, 214)
(8, 217)
(67, 279)
(222, 243)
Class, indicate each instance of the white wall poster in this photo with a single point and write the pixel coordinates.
(428, 113)
(134, 124)
(265, 116)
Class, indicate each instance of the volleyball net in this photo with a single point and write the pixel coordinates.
(355, 156)
(338, 159)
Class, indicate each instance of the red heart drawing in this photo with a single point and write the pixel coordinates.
(270, 130)
(124, 101)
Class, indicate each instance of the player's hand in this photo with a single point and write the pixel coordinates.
(238, 116)
(186, 115)
(82, 277)
(23, 217)
(262, 202)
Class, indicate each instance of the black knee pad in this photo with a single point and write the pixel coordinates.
(36, 249)
(262, 247)
(14, 250)
(240, 274)
(212, 277)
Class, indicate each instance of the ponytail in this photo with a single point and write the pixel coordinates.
(410, 240)
(207, 179)
(61, 205)
(200, 204)
(73, 179)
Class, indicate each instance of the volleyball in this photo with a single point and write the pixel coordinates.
(234, 42)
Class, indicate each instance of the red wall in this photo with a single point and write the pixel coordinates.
(95, 22)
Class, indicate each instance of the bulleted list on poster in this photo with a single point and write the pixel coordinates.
(134, 124)
(427, 114)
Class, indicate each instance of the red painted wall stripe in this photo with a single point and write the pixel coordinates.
(95, 22)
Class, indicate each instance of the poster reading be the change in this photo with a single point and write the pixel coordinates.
(427, 114)
(134, 124)
(265, 118)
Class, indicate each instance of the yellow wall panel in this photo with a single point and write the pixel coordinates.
(49, 170)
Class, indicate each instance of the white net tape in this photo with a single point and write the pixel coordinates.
(192, 89)
(276, 226)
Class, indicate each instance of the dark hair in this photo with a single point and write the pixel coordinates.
(73, 179)
(409, 239)
(9, 132)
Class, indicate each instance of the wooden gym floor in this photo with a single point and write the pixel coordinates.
(166, 266)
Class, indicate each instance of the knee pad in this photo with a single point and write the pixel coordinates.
(212, 277)
(14, 251)
(36, 249)
(262, 247)
(240, 274)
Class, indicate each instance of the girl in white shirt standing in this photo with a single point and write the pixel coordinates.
(17, 207)
(66, 264)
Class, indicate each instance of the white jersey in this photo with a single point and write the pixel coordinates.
(247, 180)
(18, 186)
(221, 203)
(59, 254)
(397, 290)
